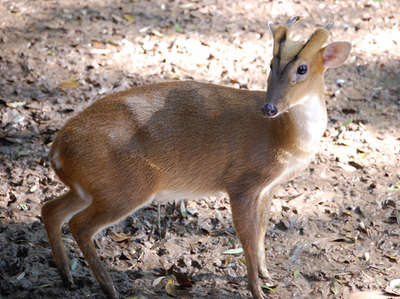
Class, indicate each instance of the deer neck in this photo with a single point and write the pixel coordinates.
(309, 119)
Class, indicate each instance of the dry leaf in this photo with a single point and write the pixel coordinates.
(394, 188)
(228, 260)
(129, 18)
(182, 209)
(183, 280)
(120, 237)
(16, 104)
(21, 275)
(178, 28)
(33, 188)
(16, 12)
(74, 264)
(392, 258)
(96, 44)
(113, 43)
(335, 287)
(361, 155)
(186, 5)
(170, 286)
(70, 83)
(393, 287)
(355, 165)
(144, 29)
(269, 288)
(100, 51)
(368, 295)
(234, 251)
(346, 167)
(242, 261)
(157, 281)
(296, 274)
(157, 33)
(347, 122)
(174, 76)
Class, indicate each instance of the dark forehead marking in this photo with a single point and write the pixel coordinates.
(302, 48)
(295, 57)
(280, 70)
(281, 41)
(276, 61)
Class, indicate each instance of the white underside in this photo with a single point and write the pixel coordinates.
(170, 195)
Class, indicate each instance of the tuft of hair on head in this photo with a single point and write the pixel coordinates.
(314, 44)
(284, 49)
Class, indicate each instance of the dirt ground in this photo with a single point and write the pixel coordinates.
(334, 231)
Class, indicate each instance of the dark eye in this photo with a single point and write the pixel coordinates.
(302, 69)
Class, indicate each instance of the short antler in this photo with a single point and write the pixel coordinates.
(329, 25)
(293, 20)
(280, 32)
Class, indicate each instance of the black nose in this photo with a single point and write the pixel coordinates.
(269, 110)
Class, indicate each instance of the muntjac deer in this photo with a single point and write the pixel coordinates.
(192, 138)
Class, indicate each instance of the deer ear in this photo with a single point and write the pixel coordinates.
(272, 28)
(335, 54)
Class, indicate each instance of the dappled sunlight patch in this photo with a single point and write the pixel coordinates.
(180, 57)
(380, 42)
(334, 230)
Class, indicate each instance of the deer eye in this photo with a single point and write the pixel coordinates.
(302, 69)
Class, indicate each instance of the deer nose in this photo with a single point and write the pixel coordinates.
(269, 110)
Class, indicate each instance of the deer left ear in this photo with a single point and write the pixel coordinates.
(335, 54)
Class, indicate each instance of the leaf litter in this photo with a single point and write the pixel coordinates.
(59, 57)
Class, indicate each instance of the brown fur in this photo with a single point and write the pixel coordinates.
(184, 137)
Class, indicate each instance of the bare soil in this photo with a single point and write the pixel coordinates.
(334, 231)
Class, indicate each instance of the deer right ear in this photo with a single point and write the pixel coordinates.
(335, 53)
(272, 28)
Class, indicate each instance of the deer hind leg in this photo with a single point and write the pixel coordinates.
(106, 208)
(246, 219)
(54, 214)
